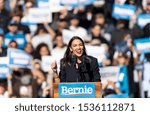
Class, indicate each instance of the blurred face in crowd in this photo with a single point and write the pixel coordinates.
(132, 2)
(122, 60)
(29, 5)
(37, 66)
(148, 7)
(1, 4)
(62, 25)
(59, 41)
(28, 48)
(2, 90)
(96, 30)
(120, 24)
(13, 28)
(74, 22)
(119, 1)
(12, 44)
(41, 31)
(100, 20)
(77, 48)
(44, 51)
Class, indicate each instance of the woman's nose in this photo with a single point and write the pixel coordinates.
(78, 47)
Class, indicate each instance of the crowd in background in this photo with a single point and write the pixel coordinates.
(94, 23)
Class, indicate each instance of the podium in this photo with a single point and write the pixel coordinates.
(78, 90)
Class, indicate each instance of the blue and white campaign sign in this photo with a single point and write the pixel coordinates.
(143, 19)
(110, 73)
(55, 6)
(4, 68)
(46, 62)
(146, 78)
(19, 58)
(76, 3)
(123, 11)
(19, 38)
(69, 2)
(122, 83)
(142, 45)
(39, 15)
(76, 90)
(117, 74)
(43, 3)
(86, 2)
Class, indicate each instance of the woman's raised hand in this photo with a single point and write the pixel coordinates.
(54, 66)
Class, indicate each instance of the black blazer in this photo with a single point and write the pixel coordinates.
(88, 71)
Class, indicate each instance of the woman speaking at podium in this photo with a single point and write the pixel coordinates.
(76, 65)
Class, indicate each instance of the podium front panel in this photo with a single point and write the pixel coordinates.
(78, 90)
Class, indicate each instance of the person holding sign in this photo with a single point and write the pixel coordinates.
(76, 65)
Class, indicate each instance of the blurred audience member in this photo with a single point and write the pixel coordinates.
(42, 36)
(14, 34)
(42, 50)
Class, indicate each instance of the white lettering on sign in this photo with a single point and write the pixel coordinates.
(143, 46)
(21, 61)
(122, 11)
(76, 90)
(4, 70)
(19, 54)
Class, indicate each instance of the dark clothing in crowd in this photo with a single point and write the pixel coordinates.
(147, 30)
(4, 17)
(136, 32)
(130, 70)
(33, 90)
(101, 38)
(3, 52)
(23, 29)
(117, 36)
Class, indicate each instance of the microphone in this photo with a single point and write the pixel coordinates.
(82, 65)
(80, 68)
(74, 61)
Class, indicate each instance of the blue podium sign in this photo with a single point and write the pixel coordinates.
(78, 90)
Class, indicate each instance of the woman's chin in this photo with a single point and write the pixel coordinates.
(78, 55)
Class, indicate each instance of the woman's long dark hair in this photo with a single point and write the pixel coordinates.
(68, 55)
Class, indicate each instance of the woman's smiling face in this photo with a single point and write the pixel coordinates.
(77, 48)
